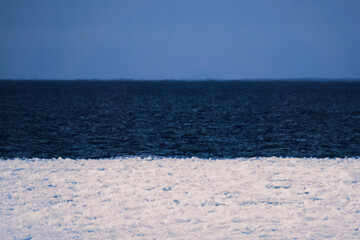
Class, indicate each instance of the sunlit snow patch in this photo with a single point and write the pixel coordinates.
(180, 198)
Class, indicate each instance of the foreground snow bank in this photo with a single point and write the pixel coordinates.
(180, 198)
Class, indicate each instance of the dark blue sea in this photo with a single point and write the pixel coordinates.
(206, 119)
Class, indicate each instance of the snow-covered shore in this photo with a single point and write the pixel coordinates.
(167, 198)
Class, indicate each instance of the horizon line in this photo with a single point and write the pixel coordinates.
(307, 79)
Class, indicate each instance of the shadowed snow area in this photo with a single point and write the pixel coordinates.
(153, 198)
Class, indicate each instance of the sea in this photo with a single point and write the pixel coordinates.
(93, 119)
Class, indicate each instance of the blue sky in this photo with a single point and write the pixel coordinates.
(179, 39)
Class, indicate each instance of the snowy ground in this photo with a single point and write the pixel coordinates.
(270, 198)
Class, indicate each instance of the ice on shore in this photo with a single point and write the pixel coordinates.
(270, 198)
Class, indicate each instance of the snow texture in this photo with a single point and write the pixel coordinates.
(168, 198)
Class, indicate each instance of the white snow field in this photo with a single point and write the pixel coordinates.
(168, 198)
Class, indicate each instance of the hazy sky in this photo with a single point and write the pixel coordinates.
(181, 39)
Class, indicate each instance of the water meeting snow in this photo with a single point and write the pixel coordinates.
(169, 198)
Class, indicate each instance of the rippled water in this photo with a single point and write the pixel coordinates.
(208, 119)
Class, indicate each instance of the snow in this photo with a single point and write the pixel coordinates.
(159, 198)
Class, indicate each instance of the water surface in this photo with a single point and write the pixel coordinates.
(208, 119)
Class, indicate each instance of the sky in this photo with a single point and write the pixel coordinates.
(179, 39)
